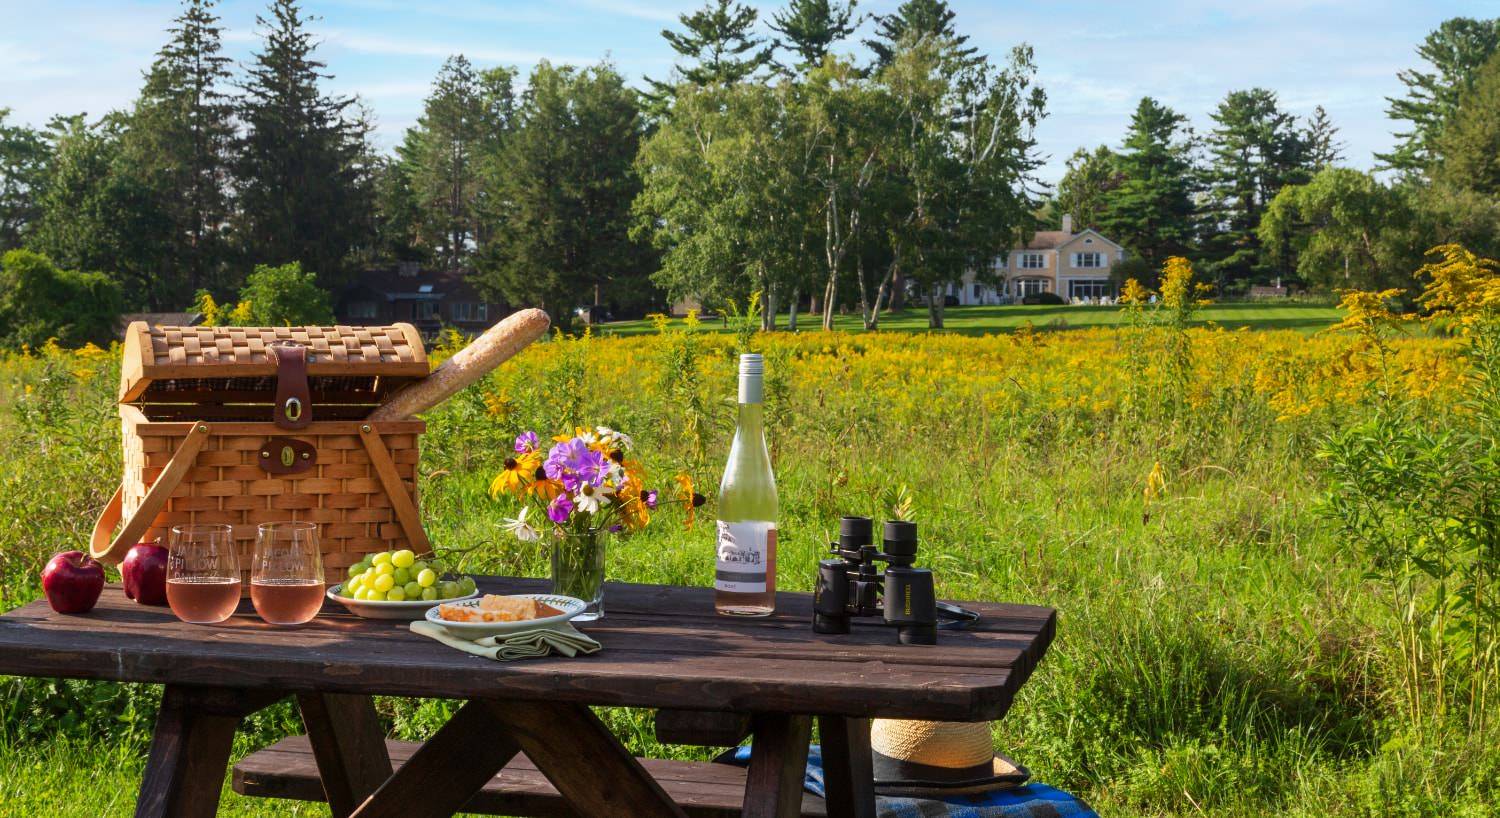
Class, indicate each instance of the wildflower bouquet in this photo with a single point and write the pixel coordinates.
(583, 488)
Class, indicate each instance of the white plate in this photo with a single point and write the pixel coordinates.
(569, 606)
(406, 609)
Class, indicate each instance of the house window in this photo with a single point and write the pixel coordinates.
(470, 311)
(362, 309)
(977, 289)
(1088, 260)
(424, 310)
(1030, 286)
(1033, 261)
(1092, 288)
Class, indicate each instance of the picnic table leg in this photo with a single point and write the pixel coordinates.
(591, 769)
(190, 749)
(848, 777)
(447, 770)
(778, 764)
(349, 746)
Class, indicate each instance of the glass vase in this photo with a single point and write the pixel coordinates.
(578, 569)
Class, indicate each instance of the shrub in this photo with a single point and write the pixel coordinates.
(39, 302)
(1051, 299)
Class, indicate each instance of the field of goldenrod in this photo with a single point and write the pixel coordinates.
(1220, 650)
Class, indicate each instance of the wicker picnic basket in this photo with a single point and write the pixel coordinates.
(246, 425)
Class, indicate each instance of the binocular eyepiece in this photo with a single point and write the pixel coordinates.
(850, 584)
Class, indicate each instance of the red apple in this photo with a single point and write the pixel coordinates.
(72, 582)
(144, 573)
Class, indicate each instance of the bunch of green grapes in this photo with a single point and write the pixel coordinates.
(396, 576)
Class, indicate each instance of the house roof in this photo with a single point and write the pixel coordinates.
(1053, 239)
(162, 319)
(1047, 240)
(425, 285)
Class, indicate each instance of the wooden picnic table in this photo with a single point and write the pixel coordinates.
(525, 740)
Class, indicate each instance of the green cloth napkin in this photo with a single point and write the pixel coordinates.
(528, 644)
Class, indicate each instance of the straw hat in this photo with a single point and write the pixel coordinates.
(921, 757)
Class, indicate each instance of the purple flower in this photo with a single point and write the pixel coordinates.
(572, 463)
(616, 528)
(649, 497)
(526, 442)
(560, 508)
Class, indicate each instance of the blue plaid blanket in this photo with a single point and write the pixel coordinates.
(1030, 801)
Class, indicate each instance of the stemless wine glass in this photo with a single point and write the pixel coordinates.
(203, 573)
(286, 578)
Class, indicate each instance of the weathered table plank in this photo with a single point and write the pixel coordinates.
(664, 647)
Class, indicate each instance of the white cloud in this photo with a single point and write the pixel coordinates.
(372, 43)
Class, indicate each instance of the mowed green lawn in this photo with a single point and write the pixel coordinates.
(1302, 317)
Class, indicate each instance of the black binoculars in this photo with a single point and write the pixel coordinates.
(851, 585)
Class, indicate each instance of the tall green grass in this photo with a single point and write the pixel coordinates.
(1219, 651)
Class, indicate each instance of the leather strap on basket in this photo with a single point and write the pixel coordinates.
(401, 502)
(111, 550)
(293, 408)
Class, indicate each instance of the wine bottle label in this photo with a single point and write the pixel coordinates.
(744, 555)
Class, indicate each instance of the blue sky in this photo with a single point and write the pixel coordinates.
(1096, 58)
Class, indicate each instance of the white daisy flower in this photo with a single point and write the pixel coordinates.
(614, 438)
(522, 530)
(590, 497)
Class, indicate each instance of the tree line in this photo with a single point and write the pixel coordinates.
(1262, 195)
(764, 163)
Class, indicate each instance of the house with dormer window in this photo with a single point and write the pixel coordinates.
(1075, 266)
(428, 299)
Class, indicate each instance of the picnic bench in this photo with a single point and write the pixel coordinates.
(525, 741)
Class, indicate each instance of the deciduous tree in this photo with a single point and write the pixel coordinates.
(1086, 184)
(39, 302)
(23, 171)
(98, 214)
(1345, 229)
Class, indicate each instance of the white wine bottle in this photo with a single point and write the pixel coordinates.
(745, 572)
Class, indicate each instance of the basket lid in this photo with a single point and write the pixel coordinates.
(192, 366)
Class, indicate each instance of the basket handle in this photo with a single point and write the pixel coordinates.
(111, 550)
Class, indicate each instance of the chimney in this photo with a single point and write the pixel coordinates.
(1068, 223)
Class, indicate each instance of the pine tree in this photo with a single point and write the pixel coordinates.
(1255, 149)
(718, 46)
(1321, 138)
(562, 233)
(300, 159)
(810, 28)
(180, 134)
(465, 112)
(915, 19)
(1151, 212)
(1469, 148)
(1455, 51)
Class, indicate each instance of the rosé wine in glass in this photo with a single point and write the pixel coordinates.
(287, 601)
(203, 600)
(203, 573)
(286, 575)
